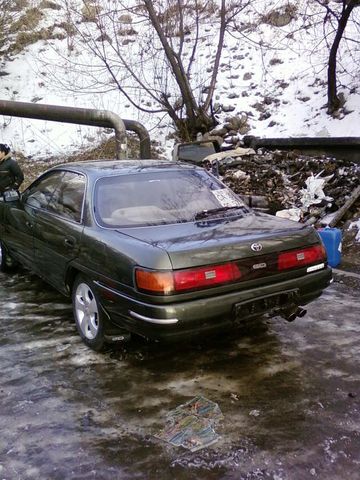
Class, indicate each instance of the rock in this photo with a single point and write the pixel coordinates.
(282, 84)
(127, 41)
(126, 18)
(258, 106)
(36, 99)
(231, 140)
(268, 100)
(237, 124)
(264, 116)
(219, 131)
(233, 123)
(244, 129)
(104, 38)
(228, 108)
(275, 61)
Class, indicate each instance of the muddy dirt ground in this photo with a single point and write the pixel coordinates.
(289, 393)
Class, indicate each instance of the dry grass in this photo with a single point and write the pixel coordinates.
(68, 27)
(90, 12)
(50, 5)
(24, 39)
(25, 31)
(18, 5)
(282, 16)
(28, 21)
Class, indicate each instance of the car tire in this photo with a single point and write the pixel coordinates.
(6, 261)
(88, 315)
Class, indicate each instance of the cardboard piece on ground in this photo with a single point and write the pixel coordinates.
(191, 425)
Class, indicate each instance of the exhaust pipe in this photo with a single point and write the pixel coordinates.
(293, 312)
(124, 337)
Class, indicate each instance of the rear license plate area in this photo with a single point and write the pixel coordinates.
(265, 304)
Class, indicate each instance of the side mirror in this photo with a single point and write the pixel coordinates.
(11, 195)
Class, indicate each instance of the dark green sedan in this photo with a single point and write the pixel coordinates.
(160, 249)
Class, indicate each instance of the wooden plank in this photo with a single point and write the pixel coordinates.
(349, 202)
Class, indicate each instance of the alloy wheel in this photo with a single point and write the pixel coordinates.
(86, 311)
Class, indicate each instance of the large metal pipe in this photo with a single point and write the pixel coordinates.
(143, 134)
(84, 116)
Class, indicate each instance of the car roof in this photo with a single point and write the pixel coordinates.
(122, 167)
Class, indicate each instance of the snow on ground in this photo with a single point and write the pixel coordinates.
(357, 226)
(279, 67)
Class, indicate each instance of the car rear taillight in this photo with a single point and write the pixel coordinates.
(206, 276)
(187, 279)
(190, 279)
(154, 282)
(301, 257)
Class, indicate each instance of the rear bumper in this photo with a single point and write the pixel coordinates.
(203, 316)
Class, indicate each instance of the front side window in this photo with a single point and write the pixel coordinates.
(59, 192)
(39, 194)
(158, 198)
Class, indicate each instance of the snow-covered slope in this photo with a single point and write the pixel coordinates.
(274, 75)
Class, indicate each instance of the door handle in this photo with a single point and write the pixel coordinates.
(70, 242)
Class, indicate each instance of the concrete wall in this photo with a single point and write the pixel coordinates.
(338, 147)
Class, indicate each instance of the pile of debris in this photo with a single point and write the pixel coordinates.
(313, 190)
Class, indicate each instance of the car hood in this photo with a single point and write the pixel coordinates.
(216, 241)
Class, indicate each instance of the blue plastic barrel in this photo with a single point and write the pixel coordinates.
(331, 238)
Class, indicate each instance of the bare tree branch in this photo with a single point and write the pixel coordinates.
(211, 89)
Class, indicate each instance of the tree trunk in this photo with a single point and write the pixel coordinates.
(333, 99)
(197, 119)
(176, 65)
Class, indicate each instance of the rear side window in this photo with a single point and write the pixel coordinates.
(195, 152)
(157, 198)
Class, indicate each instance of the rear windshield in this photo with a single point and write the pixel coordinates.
(195, 152)
(159, 198)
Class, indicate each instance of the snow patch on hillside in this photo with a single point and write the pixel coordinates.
(275, 75)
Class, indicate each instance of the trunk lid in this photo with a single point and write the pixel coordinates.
(214, 241)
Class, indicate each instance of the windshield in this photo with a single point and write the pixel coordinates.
(161, 197)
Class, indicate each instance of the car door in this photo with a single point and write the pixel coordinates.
(16, 233)
(19, 219)
(58, 229)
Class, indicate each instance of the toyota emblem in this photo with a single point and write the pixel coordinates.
(256, 247)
